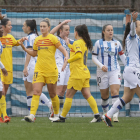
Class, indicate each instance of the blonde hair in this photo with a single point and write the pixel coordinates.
(47, 20)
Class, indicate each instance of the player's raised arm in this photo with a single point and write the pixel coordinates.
(59, 26)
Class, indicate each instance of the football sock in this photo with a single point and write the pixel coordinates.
(34, 104)
(55, 104)
(93, 104)
(118, 105)
(66, 107)
(105, 105)
(29, 99)
(115, 98)
(45, 100)
(3, 106)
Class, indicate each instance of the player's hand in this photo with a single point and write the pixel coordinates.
(66, 21)
(4, 71)
(25, 72)
(67, 41)
(1, 17)
(104, 69)
(134, 16)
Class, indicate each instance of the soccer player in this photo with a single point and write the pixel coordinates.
(62, 30)
(8, 41)
(46, 71)
(104, 55)
(30, 28)
(131, 72)
(79, 73)
(4, 71)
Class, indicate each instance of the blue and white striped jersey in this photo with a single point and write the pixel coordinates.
(29, 44)
(1, 48)
(107, 52)
(59, 57)
(132, 44)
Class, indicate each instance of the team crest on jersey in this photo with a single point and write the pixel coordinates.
(115, 44)
(38, 47)
(42, 42)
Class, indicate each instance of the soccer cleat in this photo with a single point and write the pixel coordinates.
(97, 118)
(57, 119)
(107, 120)
(1, 120)
(7, 119)
(51, 112)
(30, 118)
(115, 119)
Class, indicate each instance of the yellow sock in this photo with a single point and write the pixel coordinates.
(0, 112)
(55, 104)
(34, 104)
(3, 106)
(66, 107)
(93, 104)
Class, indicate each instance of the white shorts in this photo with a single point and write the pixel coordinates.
(105, 79)
(1, 86)
(29, 78)
(63, 76)
(131, 77)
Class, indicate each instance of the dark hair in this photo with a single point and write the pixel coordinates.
(47, 20)
(61, 28)
(83, 32)
(103, 29)
(32, 25)
(127, 30)
(4, 21)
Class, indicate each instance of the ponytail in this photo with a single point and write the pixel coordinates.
(32, 25)
(127, 31)
(83, 32)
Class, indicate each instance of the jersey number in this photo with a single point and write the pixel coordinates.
(138, 74)
(98, 79)
(85, 58)
(35, 74)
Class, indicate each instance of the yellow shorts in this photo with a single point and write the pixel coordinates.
(7, 79)
(78, 84)
(41, 78)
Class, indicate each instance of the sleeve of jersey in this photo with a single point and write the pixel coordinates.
(75, 57)
(35, 45)
(133, 29)
(95, 50)
(77, 47)
(56, 42)
(121, 54)
(15, 42)
(1, 65)
(30, 43)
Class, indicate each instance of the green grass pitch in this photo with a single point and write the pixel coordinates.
(78, 128)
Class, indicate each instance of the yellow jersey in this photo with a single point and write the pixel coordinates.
(78, 68)
(8, 42)
(46, 47)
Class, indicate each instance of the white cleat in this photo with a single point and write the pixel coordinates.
(115, 119)
(94, 120)
(51, 112)
(54, 119)
(30, 118)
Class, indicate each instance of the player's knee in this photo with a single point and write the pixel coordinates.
(114, 92)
